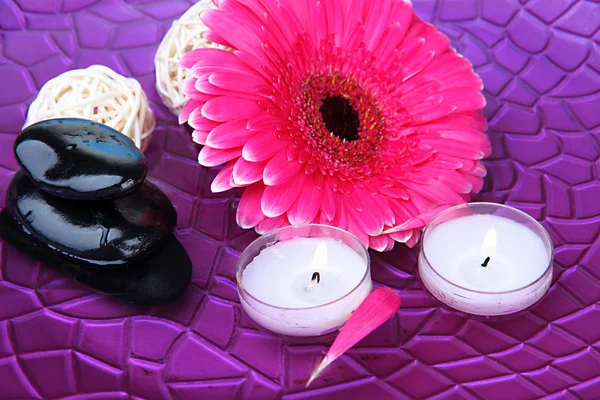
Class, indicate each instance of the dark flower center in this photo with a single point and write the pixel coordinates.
(340, 118)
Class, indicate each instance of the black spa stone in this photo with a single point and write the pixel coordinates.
(157, 279)
(80, 159)
(104, 233)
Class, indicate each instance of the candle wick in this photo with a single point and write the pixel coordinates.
(316, 276)
(485, 263)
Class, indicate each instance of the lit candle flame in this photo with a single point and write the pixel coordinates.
(319, 263)
(488, 247)
(320, 258)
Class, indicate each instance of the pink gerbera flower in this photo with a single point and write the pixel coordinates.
(353, 113)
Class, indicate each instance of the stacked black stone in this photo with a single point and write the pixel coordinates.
(81, 204)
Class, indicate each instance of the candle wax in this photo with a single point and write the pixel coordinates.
(281, 274)
(456, 250)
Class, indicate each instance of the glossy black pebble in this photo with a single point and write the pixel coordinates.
(80, 159)
(99, 233)
(157, 279)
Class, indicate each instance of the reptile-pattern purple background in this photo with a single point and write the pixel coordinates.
(540, 62)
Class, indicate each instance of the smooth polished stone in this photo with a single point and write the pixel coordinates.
(157, 279)
(80, 159)
(99, 233)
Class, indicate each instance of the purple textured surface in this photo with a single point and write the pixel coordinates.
(540, 62)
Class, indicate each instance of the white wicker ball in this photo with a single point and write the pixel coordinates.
(186, 33)
(99, 94)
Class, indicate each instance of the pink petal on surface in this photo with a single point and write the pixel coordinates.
(247, 172)
(227, 108)
(249, 213)
(230, 134)
(210, 157)
(379, 306)
(280, 170)
(307, 205)
(278, 199)
(221, 181)
(263, 146)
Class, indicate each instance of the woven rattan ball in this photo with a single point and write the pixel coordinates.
(186, 33)
(99, 94)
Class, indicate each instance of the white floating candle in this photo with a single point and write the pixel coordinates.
(303, 286)
(495, 261)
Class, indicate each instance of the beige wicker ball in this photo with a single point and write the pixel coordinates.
(99, 94)
(186, 33)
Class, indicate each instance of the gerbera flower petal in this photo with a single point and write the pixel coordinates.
(341, 215)
(379, 243)
(221, 181)
(280, 170)
(199, 136)
(418, 221)
(246, 172)
(329, 202)
(189, 89)
(230, 134)
(307, 206)
(211, 157)
(388, 215)
(197, 121)
(211, 57)
(414, 238)
(356, 230)
(270, 224)
(225, 108)
(363, 209)
(213, 37)
(249, 213)
(236, 81)
(188, 108)
(278, 199)
(352, 113)
(239, 33)
(263, 146)
(402, 236)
